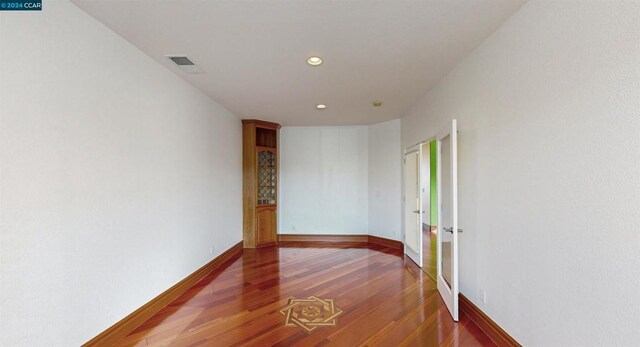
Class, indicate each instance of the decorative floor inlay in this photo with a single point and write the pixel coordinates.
(310, 313)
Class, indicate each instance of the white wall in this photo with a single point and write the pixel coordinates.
(549, 157)
(385, 191)
(341, 180)
(323, 180)
(116, 177)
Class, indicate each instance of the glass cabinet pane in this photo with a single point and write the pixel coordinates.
(266, 178)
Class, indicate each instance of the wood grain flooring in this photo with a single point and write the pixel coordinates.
(429, 253)
(386, 301)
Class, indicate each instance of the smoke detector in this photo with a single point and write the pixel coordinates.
(185, 64)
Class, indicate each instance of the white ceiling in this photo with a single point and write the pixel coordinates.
(254, 53)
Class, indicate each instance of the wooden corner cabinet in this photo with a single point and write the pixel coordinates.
(260, 183)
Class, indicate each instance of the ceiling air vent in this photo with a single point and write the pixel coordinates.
(185, 64)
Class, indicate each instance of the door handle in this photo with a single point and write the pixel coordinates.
(417, 211)
(450, 230)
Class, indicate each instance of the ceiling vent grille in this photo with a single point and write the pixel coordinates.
(182, 61)
(185, 64)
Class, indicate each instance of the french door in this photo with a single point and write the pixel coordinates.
(412, 206)
(448, 217)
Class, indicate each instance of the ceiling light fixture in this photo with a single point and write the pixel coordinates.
(321, 106)
(377, 103)
(314, 61)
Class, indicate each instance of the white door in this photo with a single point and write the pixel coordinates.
(412, 204)
(448, 218)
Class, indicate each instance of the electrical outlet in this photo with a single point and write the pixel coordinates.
(482, 295)
(212, 249)
(293, 227)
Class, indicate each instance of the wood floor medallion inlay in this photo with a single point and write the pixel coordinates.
(310, 313)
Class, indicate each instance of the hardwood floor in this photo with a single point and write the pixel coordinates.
(429, 249)
(386, 301)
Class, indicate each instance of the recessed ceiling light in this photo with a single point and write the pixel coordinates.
(321, 106)
(314, 61)
(377, 103)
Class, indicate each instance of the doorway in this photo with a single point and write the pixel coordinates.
(412, 206)
(420, 205)
(428, 189)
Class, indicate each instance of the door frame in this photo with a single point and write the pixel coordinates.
(449, 293)
(414, 148)
(415, 257)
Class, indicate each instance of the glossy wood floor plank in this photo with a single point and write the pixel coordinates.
(385, 298)
(429, 252)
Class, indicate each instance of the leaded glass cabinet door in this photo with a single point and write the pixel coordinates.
(267, 174)
(267, 177)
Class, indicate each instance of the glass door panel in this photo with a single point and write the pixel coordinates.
(267, 177)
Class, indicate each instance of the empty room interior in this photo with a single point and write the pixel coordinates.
(320, 173)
